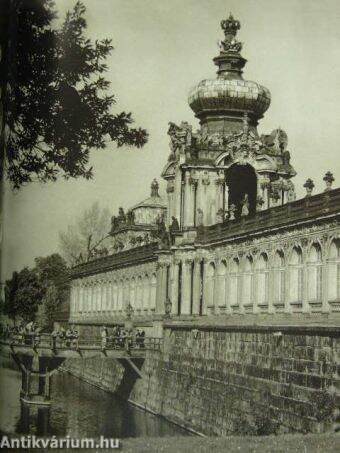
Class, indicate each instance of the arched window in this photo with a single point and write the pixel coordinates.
(153, 292)
(234, 283)
(210, 285)
(262, 282)
(98, 296)
(146, 292)
(279, 279)
(221, 284)
(111, 296)
(104, 295)
(72, 300)
(242, 185)
(334, 272)
(295, 276)
(133, 292)
(120, 294)
(248, 283)
(139, 293)
(114, 295)
(314, 266)
(85, 298)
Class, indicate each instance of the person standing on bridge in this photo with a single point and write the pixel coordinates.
(54, 336)
(104, 337)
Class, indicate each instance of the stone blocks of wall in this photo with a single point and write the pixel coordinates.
(233, 381)
(227, 382)
(100, 372)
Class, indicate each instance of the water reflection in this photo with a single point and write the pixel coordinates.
(78, 410)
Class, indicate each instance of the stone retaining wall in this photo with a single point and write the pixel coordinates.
(219, 382)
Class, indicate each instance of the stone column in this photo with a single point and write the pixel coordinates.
(178, 195)
(174, 287)
(86, 298)
(271, 283)
(81, 299)
(325, 282)
(305, 302)
(144, 305)
(110, 305)
(186, 287)
(196, 287)
(115, 296)
(204, 289)
(72, 301)
(226, 199)
(99, 296)
(189, 200)
(170, 196)
(161, 288)
(288, 307)
(220, 192)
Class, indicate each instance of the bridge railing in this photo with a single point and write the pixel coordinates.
(49, 341)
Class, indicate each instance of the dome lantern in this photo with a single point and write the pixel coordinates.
(221, 103)
(230, 62)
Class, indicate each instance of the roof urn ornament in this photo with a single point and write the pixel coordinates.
(309, 186)
(154, 188)
(329, 179)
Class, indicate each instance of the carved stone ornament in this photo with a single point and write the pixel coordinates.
(180, 136)
(205, 179)
(168, 307)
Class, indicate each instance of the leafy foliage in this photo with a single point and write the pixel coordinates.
(87, 235)
(53, 275)
(23, 294)
(57, 105)
(49, 307)
(42, 289)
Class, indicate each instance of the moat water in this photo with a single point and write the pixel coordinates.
(78, 410)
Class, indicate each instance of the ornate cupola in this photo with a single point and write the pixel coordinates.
(225, 170)
(221, 103)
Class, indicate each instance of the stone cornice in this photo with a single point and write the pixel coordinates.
(320, 208)
(131, 257)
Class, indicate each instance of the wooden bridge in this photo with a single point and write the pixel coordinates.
(41, 356)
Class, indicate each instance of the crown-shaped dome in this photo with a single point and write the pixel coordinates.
(229, 95)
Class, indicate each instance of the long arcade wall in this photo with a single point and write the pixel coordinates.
(284, 260)
(102, 289)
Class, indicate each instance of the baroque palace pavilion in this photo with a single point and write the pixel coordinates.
(230, 239)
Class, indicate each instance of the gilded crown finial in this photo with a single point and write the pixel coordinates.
(230, 27)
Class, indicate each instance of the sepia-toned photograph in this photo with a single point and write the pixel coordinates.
(170, 226)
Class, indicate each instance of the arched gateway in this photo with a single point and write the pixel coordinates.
(241, 181)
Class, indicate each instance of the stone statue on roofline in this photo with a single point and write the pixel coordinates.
(245, 206)
(114, 223)
(174, 227)
(130, 217)
(121, 216)
(220, 216)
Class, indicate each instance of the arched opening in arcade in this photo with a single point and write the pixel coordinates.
(242, 186)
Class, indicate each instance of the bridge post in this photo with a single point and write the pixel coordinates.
(44, 379)
(36, 393)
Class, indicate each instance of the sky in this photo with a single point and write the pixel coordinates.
(162, 49)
